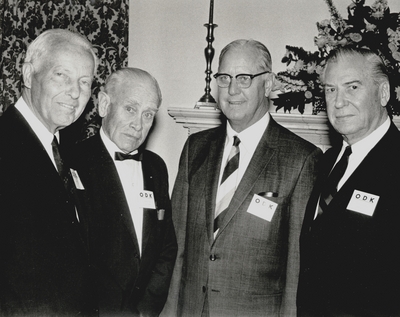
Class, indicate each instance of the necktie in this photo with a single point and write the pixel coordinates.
(228, 183)
(63, 171)
(119, 156)
(330, 187)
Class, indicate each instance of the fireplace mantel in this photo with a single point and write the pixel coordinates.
(310, 127)
(314, 128)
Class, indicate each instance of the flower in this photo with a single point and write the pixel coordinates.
(355, 37)
(372, 26)
(398, 93)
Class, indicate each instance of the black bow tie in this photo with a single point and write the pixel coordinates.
(119, 156)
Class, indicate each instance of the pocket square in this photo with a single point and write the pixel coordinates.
(268, 194)
(160, 214)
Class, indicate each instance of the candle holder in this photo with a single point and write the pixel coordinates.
(207, 101)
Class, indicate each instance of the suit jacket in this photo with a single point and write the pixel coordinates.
(43, 262)
(251, 267)
(126, 281)
(350, 261)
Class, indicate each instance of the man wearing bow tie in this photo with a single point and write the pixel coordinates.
(132, 243)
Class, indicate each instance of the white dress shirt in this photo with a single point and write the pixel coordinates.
(131, 177)
(249, 139)
(359, 151)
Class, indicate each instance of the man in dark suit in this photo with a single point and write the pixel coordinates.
(241, 259)
(350, 242)
(44, 262)
(132, 243)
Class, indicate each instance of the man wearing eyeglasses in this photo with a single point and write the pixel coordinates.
(239, 200)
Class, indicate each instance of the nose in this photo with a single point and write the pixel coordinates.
(136, 123)
(340, 100)
(74, 90)
(233, 88)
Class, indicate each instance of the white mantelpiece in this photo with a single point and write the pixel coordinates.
(314, 128)
(195, 120)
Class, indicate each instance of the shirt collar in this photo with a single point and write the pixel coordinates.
(110, 145)
(44, 135)
(366, 144)
(249, 137)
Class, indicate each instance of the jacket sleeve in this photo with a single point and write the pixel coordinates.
(298, 203)
(179, 217)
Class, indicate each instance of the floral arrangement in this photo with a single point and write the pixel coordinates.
(367, 26)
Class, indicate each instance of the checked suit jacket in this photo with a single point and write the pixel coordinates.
(251, 267)
(127, 283)
(349, 260)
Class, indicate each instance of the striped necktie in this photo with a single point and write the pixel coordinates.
(329, 189)
(228, 183)
(64, 173)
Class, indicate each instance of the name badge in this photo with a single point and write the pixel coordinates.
(77, 180)
(363, 203)
(262, 207)
(146, 199)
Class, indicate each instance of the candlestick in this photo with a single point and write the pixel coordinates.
(211, 17)
(207, 100)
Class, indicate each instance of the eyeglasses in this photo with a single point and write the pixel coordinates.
(242, 80)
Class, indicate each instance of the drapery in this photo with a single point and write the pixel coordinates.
(103, 22)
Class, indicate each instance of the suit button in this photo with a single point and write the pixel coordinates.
(204, 289)
(213, 257)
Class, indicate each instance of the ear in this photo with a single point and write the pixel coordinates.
(269, 83)
(27, 73)
(384, 93)
(104, 103)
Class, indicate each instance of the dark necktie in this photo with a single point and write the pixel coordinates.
(329, 189)
(228, 181)
(119, 156)
(63, 171)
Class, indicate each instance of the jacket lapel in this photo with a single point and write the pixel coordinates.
(116, 197)
(264, 152)
(149, 215)
(216, 151)
(27, 142)
(362, 173)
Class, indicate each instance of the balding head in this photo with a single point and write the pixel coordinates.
(128, 104)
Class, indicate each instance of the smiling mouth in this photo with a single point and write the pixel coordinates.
(67, 106)
(235, 103)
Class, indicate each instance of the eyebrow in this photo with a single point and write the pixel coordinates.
(347, 83)
(355, 81)
(134, 102)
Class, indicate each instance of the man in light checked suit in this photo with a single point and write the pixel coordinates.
(249, 265)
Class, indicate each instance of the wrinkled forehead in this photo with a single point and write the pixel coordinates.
(143, 92)
(65, 52)
(347, 66)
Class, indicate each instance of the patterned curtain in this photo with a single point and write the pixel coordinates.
(103, 22)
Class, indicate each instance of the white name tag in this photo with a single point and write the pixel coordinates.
(77, 180)
(146, 199)
(262, 207)
(363, 203)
